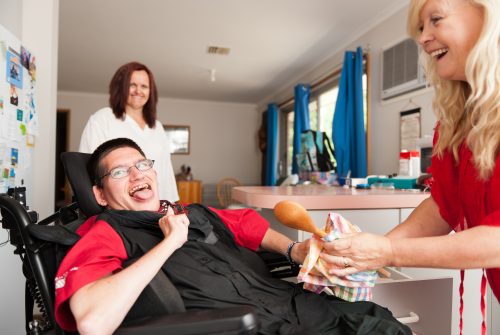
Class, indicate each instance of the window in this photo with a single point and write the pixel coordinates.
(321, 109)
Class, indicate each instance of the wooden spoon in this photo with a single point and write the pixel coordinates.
(293, 215)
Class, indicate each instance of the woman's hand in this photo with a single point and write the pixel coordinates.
(358, 252)
(175, 228)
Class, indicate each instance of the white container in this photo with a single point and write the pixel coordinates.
(414, 164)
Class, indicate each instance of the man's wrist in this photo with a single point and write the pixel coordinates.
(288, 253)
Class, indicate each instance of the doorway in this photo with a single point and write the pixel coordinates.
(62, 191)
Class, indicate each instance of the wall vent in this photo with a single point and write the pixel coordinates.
(401, 71)
(214, 50)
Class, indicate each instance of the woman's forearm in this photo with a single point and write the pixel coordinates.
(424, 221)
(476, 247)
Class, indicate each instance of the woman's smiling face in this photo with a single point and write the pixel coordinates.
(139, 90)
(449, 30)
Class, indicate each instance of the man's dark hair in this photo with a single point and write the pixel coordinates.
(94, 166)
(119, 91)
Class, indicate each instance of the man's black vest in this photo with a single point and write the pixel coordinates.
(210, 271)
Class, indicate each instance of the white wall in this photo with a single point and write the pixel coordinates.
(223, 138)
(40, 35)
(384, 114)
(11, 284)
(223, 135)
(10, 14)
(35, 23)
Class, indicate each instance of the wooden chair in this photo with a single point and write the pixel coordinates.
(224, 191)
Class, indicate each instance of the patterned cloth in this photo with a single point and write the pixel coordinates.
(314, 272)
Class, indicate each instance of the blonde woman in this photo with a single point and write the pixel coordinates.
(460, 40)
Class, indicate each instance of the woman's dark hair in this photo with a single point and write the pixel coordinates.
(94, 166)
(119, 90)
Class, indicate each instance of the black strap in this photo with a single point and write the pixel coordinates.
(159, 297)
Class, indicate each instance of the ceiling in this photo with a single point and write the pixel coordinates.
(272, 42)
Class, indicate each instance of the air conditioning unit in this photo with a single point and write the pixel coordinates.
(401, 71)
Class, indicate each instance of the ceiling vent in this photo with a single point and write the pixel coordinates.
(401, 71)
(213, 50)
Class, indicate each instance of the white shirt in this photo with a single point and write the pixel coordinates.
(103, 125)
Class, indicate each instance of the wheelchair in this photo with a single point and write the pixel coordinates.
(41, 245)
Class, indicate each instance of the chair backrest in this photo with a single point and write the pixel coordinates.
(225, 189)
(75, 166)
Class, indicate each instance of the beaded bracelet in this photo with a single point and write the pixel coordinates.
(288, 254)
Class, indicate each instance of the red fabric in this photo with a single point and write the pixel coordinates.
(246, 224)
(100, 252)
(460, 193)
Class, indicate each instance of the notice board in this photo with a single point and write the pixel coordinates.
(18, 111)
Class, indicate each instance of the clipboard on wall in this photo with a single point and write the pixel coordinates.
(409, 129)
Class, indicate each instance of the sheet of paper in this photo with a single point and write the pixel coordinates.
(409, 129)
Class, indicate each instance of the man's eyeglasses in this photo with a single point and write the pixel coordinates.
(122, 171)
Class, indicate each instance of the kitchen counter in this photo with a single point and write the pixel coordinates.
(373, 210)
(317, 197)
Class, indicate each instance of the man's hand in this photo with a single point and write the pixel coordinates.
(300, 250)
(175, 228)
(358, 252)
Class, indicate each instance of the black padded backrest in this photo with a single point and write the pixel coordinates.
(75, 167)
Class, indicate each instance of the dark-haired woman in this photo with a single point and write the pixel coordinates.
(132, 113)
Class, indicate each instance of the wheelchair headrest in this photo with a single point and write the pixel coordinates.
(75, 167)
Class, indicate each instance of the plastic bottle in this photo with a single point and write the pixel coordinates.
(404, 163)
(415, 164)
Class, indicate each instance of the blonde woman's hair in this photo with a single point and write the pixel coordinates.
(469, 110)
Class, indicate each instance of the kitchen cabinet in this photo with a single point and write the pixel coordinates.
(472, 317)
(423, 304)
(493, 314)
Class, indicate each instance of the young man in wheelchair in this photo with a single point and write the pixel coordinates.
(121, 250)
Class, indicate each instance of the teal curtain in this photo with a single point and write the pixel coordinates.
(272, 145)
(348, 129)
(301, 120)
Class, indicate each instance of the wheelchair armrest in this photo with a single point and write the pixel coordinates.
(235, 320)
